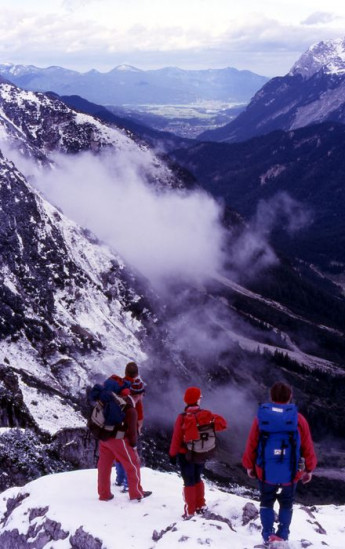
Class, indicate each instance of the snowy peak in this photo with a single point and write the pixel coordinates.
(311, 93)
(328, 56)
(126, 68)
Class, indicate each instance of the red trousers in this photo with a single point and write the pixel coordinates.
(120, 450)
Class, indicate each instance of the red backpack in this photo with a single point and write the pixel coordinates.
(199, 435)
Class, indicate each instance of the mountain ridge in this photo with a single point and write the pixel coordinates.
(160, 86)
(312, 92)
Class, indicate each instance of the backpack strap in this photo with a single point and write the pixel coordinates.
(293, 456)
(264, 439)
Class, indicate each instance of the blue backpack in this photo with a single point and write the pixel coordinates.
(108, 412)
(279, 442)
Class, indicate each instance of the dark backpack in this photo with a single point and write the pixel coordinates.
(199, 436)
(279, 442)
(107, 414)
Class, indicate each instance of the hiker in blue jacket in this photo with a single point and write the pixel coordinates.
(279, 452)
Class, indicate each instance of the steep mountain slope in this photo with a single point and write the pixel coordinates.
(37, 125)
(128, 85)
(312, 92)
(308, 164)
(159, 140)
(70, 308)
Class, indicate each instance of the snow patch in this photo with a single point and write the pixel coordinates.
(70, 500)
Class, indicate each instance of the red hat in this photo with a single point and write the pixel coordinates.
(192, 395)
(137, 386)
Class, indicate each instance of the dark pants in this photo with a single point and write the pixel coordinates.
(285, 495)
(190, 472)
(193, 489)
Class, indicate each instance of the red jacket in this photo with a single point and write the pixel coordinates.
(177, 445)
(307, 448)
(130, 424)
(139, 405)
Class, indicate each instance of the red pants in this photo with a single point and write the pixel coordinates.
(120, 450)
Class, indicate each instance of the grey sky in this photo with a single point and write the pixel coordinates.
(266, 37)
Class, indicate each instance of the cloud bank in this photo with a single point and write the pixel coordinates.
(164, 235)
(266, 39)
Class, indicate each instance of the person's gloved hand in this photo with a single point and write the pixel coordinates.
(173, 460)
(251, 473)
(306, 477)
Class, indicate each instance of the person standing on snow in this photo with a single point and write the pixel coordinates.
(194, 489)
(137, 390)
(279, 452)
(121, 447)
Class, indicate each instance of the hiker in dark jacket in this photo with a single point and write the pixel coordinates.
(122, 447)
(194, 489)
(284, 493)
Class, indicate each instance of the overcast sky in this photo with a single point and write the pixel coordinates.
(265, 36)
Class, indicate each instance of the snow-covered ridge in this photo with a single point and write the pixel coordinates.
(34, 121)
(127, 68)
(62, 510)
(328, 55)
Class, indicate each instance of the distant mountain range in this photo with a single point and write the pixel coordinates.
(125, 85)
(312, 92)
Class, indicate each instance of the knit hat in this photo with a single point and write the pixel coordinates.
(192, 395)
(137, 386)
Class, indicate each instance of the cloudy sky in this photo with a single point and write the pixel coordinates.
(265, 36)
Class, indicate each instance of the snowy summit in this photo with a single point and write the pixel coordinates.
(328, 55)
(62, 511)
(126, 68)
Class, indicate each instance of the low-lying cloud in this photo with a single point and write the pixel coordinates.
(168, 235)
(163, 234)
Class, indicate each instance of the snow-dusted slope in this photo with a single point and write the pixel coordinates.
(312, 92)
(37, 125)
(62, 511)
(69, 299)
(328, 56)
(66, 303)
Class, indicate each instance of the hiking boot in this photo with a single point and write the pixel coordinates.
(273, 538)
(146, 494)
(276, 542)
(187, 516)
(124, 489)
(107, 499)
(201, 510)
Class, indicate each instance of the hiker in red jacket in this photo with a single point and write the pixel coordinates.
(122, 447)
(280, 394)
(137, 390)
(186, 429)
